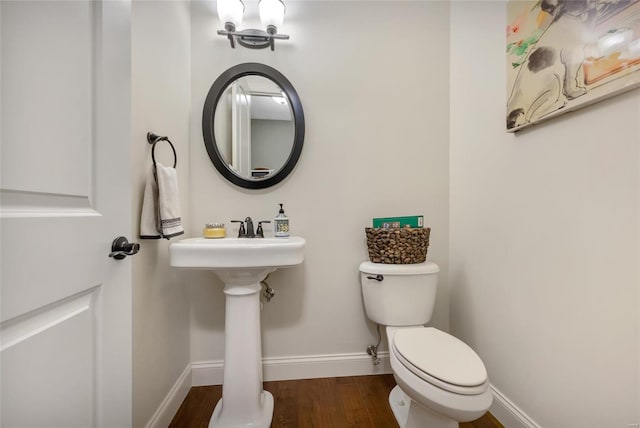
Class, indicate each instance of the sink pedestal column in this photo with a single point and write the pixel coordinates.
(244, 403)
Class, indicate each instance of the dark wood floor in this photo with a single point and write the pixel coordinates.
(355, 401)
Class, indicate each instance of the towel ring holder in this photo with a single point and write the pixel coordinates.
(153, 139)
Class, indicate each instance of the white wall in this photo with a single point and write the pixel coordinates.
(275, 138)
(377, 129)
(544, 240)
(161, 104)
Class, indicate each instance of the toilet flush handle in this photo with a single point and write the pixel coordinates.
(378, 277)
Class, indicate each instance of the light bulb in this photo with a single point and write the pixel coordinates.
(231, 11)
(271, 12)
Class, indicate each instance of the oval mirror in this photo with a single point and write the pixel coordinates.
(253, 125)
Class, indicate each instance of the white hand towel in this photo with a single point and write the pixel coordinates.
(168, 201)
(161, 205)
(149, 220)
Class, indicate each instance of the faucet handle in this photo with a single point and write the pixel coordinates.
(241, 231)
(259, 231)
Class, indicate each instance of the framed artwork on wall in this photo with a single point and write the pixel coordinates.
(565, 54)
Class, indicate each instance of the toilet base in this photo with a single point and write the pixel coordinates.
(410, 414)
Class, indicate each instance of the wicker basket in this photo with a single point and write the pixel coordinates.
(398, 246)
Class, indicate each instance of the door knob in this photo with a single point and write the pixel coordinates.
(121, 248)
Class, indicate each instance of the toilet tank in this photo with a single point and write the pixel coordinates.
(399, 295)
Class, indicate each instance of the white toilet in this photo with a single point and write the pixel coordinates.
(441, 380)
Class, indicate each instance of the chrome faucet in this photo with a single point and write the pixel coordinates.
(248, 231)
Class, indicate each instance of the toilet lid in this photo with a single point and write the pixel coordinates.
(441, 356)
(391, 269)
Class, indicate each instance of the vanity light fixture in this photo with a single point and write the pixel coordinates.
(271, 14)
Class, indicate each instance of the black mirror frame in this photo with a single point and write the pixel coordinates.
(218, 87)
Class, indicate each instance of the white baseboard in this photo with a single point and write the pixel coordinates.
(303, 367)
(509, 415)
(205, 373)
(171, 403)
(307, 367)
(279, 368)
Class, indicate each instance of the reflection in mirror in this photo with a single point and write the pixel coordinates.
(253, 127)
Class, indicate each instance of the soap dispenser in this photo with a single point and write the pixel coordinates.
(281, 224)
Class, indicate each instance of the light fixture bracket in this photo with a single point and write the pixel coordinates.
(254, 39)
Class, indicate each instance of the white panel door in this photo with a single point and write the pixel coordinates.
(241, 123)
(65, 309)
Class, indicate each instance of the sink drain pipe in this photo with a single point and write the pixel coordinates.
(268, 292)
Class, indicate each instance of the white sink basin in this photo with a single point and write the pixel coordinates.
(237, 253)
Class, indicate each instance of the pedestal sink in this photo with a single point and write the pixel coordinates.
(241, 263)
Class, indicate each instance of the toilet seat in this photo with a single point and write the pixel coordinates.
(440, 359)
